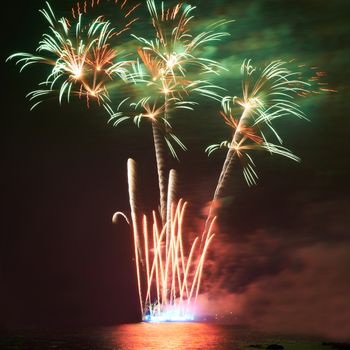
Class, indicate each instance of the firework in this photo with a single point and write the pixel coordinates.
(167, 64)
(268, 94)
(81, 57)
(86, 61)
(168, 276)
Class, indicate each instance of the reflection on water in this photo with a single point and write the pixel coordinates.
(173, 336)
(145, 336)
(165, 336)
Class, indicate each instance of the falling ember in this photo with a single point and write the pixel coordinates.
(168, 274)
(122, 13)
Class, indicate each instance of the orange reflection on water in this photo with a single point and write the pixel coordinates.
(172, 336)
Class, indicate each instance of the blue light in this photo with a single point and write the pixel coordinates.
(168, 317)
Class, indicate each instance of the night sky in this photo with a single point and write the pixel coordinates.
(282, 258)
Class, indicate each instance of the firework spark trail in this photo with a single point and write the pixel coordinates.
(170, 197)
(266, 97)
(133, 207)
(161, 168)
(81, 58)
(160, 159)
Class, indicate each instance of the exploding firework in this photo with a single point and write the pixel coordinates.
(165, 73)
(268, 94)
(81, 57)
(168, 275)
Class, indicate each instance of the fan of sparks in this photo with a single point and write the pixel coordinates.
(80, 55)
(168, 275)
(268, 94)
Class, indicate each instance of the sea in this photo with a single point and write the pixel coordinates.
(152, 336)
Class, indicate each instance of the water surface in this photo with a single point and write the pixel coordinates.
(146, 336)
